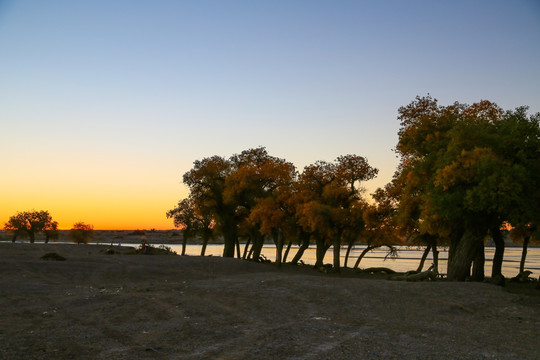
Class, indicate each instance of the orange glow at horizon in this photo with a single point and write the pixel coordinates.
(109, 200)
(110, 191)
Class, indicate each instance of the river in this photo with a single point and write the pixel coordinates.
(408, 257)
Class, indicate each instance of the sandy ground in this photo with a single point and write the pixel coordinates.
(99, 306)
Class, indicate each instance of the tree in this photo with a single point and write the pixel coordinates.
(184, 218)
(81, 233)
(192, 221)
(228, 190)
(379, 227)
(332, 201)
(29, 223)
(51, 231)
(206, 182)
(314, 213)
(522, 142)
(458, 179)
(525, 235)
(258, 179)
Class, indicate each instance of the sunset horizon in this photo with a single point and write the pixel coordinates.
(105, 106)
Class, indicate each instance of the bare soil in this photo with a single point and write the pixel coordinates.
(99, 306)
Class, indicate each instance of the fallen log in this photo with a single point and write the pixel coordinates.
(522, 277)
(417, 276)
(375, 270)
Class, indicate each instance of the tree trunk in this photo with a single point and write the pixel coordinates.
(250, 253)
(478, 263)
(366, 250)
(435, 257)
(321, 251)
(349, 247)
(32, 236)
(184, 244)
(246, 247)
(237, 243)
(256, 248)
(496, 270)
(303, 246)
(463, 254)
(229, 237)
(278, 240)
(14, 237)
(287, 251)
(524, 254)
(455, 237)
(204, 243)
(337, 251)
(423, 259)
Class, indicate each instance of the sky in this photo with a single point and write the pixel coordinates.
(104, 105)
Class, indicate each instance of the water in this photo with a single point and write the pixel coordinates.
(408, 257)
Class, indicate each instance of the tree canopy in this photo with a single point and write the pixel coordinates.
(255, 195)
(465, 170)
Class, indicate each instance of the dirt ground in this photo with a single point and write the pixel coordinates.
(99, 306)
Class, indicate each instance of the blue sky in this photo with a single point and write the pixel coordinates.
(108, 103)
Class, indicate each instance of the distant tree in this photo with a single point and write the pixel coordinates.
(81, 233)
(29, 223)
(51, 231)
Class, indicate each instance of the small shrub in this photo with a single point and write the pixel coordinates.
(53, 256)
(81, 233)
(137, 232)
(167, 249)
(148, 249)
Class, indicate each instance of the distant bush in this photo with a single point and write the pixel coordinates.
(175, 233)
(81, 233)
(53, 256)
(148, 249)
(167, 249)
(137, 232)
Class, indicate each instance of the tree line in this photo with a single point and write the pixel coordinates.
(28, 224)
(466, 172)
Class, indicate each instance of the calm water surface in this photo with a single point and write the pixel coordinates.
(408, 257)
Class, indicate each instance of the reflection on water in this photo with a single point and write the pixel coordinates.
(408, 257)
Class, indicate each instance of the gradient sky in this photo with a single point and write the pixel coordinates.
(105, 104)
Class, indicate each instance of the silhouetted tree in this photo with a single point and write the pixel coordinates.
(81, 233)
(51, 231)
(29, 223)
